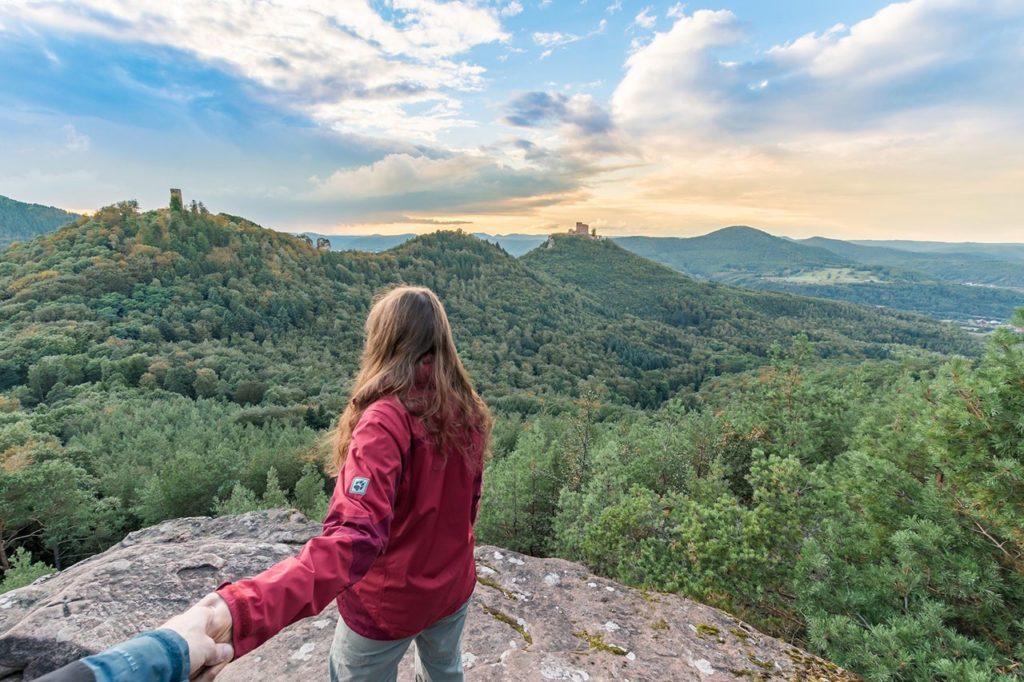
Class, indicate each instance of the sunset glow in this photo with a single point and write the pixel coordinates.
(854, 120)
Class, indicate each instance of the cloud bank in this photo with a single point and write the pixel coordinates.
(361, 110)
(911, 109)
(343, 64)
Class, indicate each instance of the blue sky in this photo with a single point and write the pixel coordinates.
(845, 119)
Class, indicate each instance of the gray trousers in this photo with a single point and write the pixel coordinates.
(355, 658)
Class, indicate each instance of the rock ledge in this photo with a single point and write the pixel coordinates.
(530, 619)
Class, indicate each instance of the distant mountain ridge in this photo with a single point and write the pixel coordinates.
(513, 244)
(964, 282)
(20, 221)
(949, 266)
(373, 243)
(1005, 251)
(731, 254)
(965, 287)
(968, 285)
(624, 283)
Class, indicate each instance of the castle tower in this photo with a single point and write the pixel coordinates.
(176, 199)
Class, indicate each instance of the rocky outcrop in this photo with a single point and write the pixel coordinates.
(530, 619)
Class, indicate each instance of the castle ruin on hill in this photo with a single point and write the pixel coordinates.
(582, 230)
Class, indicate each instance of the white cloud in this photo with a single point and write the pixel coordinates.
(664, 85)
(676, 11)
(74, 140)
(905, 109)
(323, 56)
(614, 7)
(910, 56)
(644, 20)
(475, 182)
(396, 174)
(511, 9)
(553, 38)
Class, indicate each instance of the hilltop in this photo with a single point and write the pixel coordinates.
(514, 244)
(940, 285)
(20, 221)
(976, 285)
(373, 243)
(623, 282)
(732, 254)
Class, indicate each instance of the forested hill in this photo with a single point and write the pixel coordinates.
(215, 292)
(954, 267)
(989, 250)
(929, 284)
(20, 221)
(624, 283)
(732, 254)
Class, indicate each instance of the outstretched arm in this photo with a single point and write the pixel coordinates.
(355, 533)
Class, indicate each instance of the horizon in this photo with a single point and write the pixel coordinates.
(466, 228)
(853, 121)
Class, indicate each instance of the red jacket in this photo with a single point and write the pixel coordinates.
(397, 545)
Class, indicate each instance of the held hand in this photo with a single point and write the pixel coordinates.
(206, 627)
(219, 625)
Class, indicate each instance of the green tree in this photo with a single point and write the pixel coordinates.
(250, 392)
(23, 571)
(29, 509)
(205, 384)
(273, 495)
(240, 501)
(310, 497)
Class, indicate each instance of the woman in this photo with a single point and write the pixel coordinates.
(397, 546)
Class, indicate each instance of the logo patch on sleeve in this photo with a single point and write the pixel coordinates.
(359, 486)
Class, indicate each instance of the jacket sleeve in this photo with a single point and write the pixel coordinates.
(72, 672)
(355, 533)
(156, 656)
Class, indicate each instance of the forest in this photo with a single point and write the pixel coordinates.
(962, 285)
(843, 477)
(20, 221)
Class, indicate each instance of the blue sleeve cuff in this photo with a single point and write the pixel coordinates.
(155, 656)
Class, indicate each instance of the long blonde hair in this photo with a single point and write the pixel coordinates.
(405, 325)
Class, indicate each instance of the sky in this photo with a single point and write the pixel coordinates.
(840, 118)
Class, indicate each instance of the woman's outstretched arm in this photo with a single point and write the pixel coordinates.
(355, 533)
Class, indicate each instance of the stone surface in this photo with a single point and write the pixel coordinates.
(530, 619)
